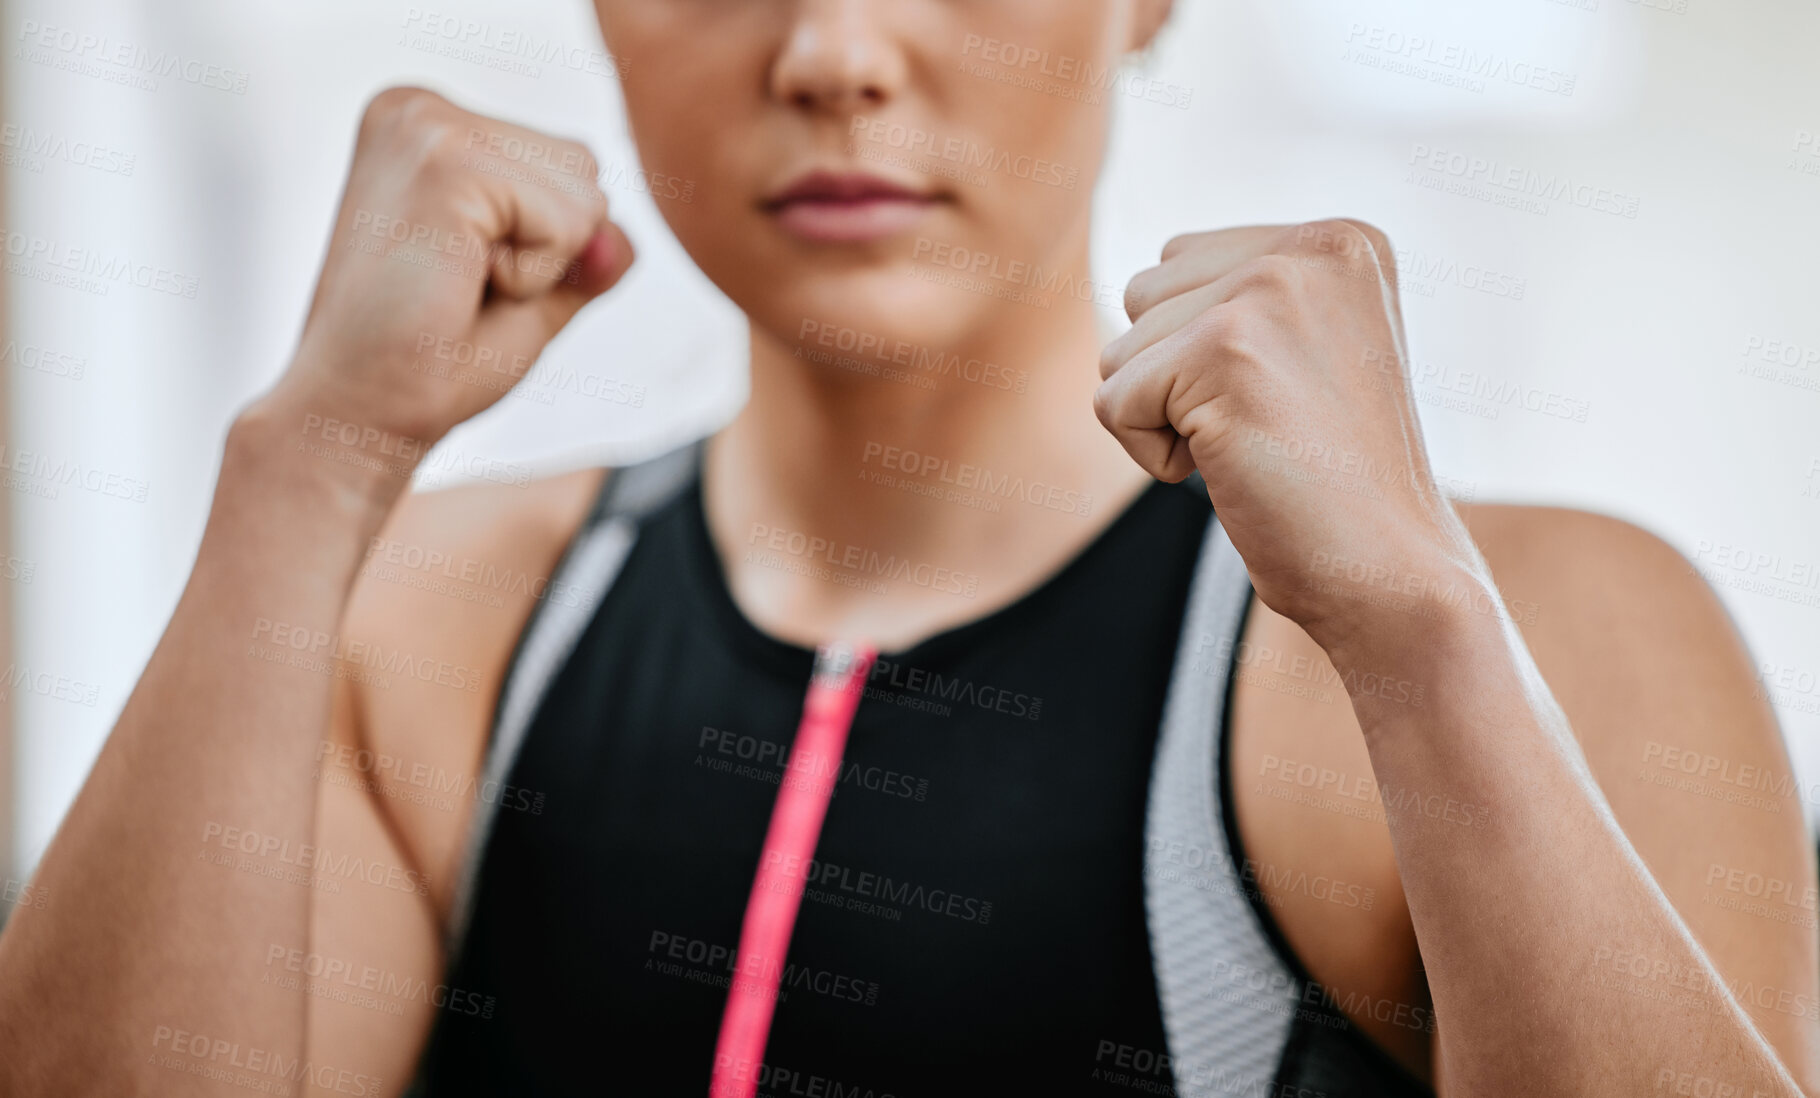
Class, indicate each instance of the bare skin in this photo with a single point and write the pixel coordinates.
(1529, 898)
(212, 756)
(1367, 952)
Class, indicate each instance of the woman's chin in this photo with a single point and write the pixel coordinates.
(889, 310)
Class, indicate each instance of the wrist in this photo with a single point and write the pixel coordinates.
(1412, 670)
(321, 465)
(1398, 620)
(286, 517)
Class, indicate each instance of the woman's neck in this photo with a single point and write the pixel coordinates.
(850, 503)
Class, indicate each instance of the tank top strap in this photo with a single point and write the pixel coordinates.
(577, 587)
(1227, 998)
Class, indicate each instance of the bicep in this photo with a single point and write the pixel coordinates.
(374, 960)
(401, 773)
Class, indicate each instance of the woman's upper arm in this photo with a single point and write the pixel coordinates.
(1663, 697)
(448, 585)
(375, 958)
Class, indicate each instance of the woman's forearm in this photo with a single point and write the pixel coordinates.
(158, 878)
(190, 849)
(1533, 929)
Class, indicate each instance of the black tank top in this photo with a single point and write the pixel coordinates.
(974, 919)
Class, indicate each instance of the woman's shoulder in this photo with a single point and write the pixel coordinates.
(1623, 626)
(1570, 575)
(458, 571)
(453, 563)
(1660, 690)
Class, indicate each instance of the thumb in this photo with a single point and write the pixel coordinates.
(526, 325)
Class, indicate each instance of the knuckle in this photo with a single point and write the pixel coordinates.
(1118, 354)
(587, 165)
(1229, 333)
(397, 108)
(1339, 228)
(418, 130)
(1274, 273)
(1112, 356)
(1291, 238)
(1102, 406)
(1180, 243)
(1381, 249)
(1376, 237)
(1337, 237)
(384, 106)
(436, 157)
(587, 179)
(1138, 292)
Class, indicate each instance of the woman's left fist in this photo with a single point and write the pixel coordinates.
(1270, 358)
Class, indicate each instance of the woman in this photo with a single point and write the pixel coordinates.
(1418, 814)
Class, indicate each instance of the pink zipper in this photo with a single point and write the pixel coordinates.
(777, 889)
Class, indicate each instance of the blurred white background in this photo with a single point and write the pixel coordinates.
(1640, 338)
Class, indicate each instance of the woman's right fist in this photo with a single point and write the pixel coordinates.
(462, 246)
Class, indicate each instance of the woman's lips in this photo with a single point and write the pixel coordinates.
(847, 208)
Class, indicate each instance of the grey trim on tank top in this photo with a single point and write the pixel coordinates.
(1228, 1000)
(588, 568)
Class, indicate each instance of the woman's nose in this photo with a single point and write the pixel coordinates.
(839, 57)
